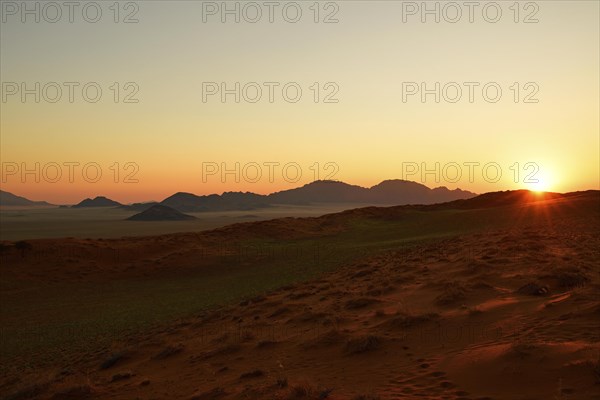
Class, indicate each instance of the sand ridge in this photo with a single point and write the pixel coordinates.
(502, 314)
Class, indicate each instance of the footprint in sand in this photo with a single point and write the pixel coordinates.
(419, 379)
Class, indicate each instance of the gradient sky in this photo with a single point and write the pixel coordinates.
(368, 134)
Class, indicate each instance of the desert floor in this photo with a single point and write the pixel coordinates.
(494, 303)
(24, 223)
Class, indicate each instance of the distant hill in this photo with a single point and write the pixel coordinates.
(390, 192)
(504, 198)
(9, 199)
(228, 201)
(138, 207)
(99, 201)
(159, 212)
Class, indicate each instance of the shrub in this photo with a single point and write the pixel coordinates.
(362, 344)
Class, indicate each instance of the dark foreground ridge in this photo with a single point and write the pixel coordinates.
(489, 298)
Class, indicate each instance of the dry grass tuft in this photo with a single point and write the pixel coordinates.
(257, 373)
(362, 344)
(453, 293)
(167, 352)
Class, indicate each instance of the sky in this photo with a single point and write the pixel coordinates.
(137, 100)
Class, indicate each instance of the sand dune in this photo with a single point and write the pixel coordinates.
(508, 313)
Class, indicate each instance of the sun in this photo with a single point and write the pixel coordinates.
(542, 182)
(540, 186)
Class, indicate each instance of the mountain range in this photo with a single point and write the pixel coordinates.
(389, 192)
(9, 199)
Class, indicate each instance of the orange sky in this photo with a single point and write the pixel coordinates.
(364, 61)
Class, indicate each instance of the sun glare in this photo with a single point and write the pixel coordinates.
(541, 183)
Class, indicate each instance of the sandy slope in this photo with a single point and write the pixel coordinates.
(505, 314)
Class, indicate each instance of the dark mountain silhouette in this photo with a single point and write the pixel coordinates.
(391, 192)
(99, 201)
(228, 201)
(9, 199)
(138, 207)
(321, 192)
(387, 192)
(159, 212)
